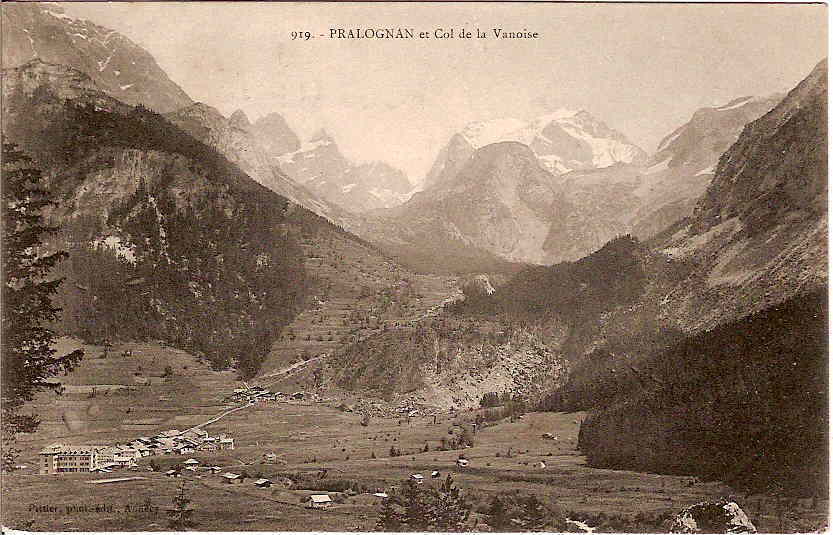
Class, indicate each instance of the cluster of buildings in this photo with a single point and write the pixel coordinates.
(259, 394)
(62, 458)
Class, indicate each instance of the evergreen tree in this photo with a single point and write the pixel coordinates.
(180, 514)
(419, 511)
(534, 516)
(452, 512)
(389, 518)
(28, 359)
(498, 519)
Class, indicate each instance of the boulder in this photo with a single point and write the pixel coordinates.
(712, 517)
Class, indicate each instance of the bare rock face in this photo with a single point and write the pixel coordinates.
(713, 517)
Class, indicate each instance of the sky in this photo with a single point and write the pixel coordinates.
(642, 69)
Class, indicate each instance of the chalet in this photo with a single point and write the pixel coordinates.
(183, 449)
(319, 501)
(62, 458)
(196, 434)
(231, 478)
(263, 483)
(209, 446)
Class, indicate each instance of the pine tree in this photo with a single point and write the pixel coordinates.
(28, 360)
(389, 518)
(419, 511)
(498, 520)
(452, 512)
(180, 514)
(534, 516)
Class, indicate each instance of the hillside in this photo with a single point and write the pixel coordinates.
(748, 297)
(745, 402)
(519, 339)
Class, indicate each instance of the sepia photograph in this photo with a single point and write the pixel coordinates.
(414, 267)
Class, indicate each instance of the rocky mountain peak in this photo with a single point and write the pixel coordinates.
(239, 119)
(275, 135)
(118, 66)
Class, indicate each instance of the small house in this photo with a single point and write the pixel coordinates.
(191, 462)
(215, 469)
(173, 473)
(231, 478)
(435, 474)
(462, 463)
(270, 458)
(383, 495)
(417, 478)
(263, 483)
(319, 501)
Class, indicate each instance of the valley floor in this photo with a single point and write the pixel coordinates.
(309, 436)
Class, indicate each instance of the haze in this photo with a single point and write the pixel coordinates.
(643, 69)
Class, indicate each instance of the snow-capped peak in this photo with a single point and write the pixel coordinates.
(482, 133)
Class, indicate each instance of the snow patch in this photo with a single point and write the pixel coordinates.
(738, 104)
(670, 139)
(484, 133)
(125, 87)
(657, 167)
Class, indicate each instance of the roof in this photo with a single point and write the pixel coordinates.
(261, 481)
(192, 461)
(417, 476)
(381, 494)
(229, 475)
(320, 498)
(65, 448)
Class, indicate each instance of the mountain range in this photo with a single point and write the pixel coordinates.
(679, 298)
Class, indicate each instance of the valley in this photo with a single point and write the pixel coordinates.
(309, 437)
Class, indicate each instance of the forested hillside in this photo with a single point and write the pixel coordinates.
(745, 402)
(168, 239)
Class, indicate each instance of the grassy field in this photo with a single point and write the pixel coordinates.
(309, 437)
